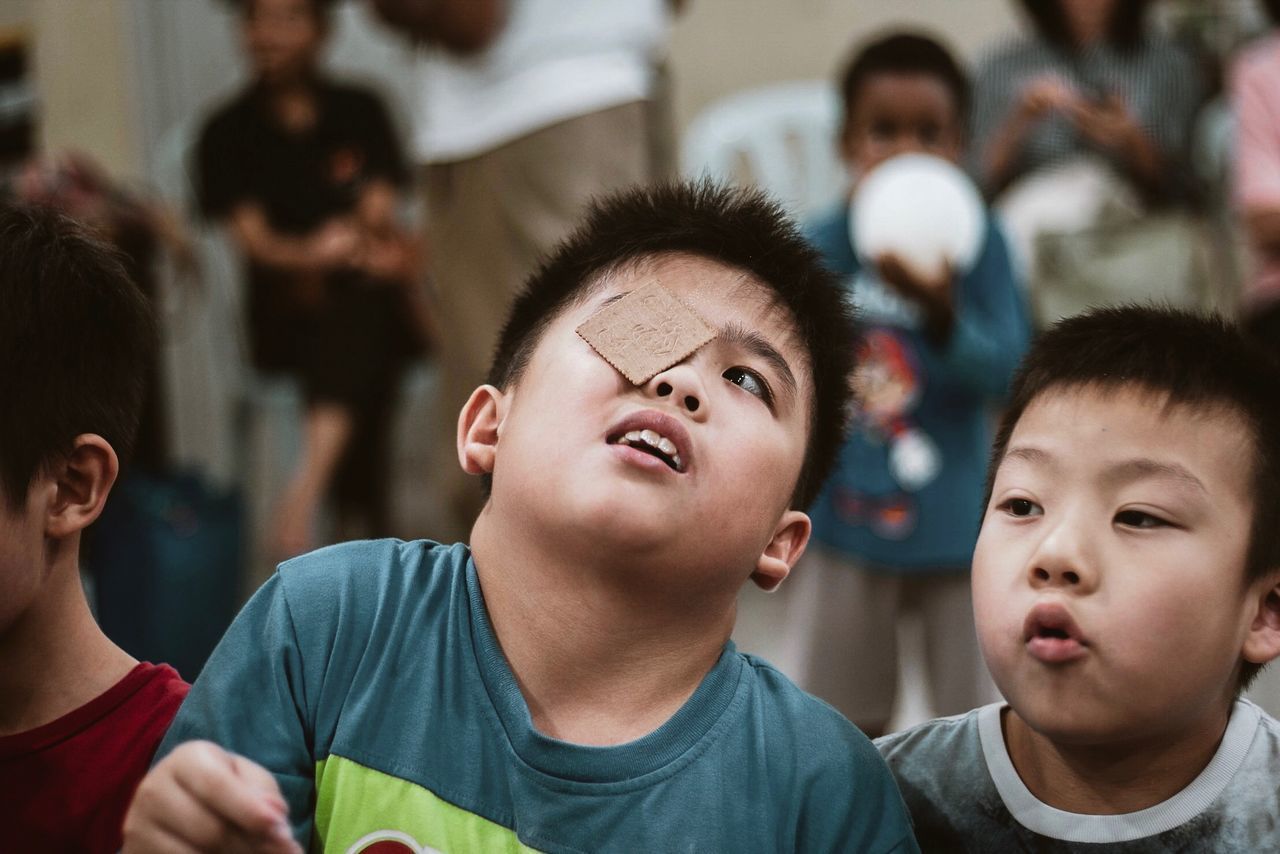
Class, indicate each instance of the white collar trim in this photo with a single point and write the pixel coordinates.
(1039, 817)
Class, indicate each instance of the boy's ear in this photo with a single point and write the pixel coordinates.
(81, 482)
(784, 549)
(478, 427)
(1263, 641)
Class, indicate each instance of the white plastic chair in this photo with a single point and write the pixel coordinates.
(780, 138)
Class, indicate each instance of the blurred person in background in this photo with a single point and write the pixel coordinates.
(1081, 136)
(1255, 102)
(1092, 78)
(528, 109)
(306, 173)
(895, 526)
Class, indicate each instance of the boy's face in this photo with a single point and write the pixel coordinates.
(736, 411)
(282, 37)
(898, 113)
(1109, 575)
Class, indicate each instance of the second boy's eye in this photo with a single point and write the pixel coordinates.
(1139, 519)
(1020, 507)
(750, 382)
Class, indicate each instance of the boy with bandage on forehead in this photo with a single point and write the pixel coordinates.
(665, 399)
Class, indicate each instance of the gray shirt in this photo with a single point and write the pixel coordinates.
(965, 796)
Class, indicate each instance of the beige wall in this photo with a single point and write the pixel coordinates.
(721, 46)
(85, 80)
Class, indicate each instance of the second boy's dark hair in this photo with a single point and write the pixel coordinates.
(1192, 360)
(742, 229)
(76, 342)
(904, 53)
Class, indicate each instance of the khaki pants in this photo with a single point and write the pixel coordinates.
(846, 619)
(490, 219)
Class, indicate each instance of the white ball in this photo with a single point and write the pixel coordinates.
(921, 208)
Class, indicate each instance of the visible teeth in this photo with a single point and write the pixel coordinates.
(666, 446)
(651, 438)
(675, 458)
(633, 436)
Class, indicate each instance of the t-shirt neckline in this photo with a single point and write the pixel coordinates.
(79, 719)
(583, 764)
(1039, 817)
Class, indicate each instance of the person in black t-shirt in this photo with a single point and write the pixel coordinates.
(305, 172)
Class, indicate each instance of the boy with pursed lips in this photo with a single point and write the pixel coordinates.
(1126, 590)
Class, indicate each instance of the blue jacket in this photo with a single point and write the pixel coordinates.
(906, 493)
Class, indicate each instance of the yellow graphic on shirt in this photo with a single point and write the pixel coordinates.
(363, 811)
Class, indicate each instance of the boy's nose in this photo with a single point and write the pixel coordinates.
(681, 386)
(1062, 560)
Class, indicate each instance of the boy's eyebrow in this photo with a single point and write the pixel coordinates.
(1129, 470)
(756, 344)
(1145, 467)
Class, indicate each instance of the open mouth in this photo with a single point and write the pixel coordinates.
(653, 443)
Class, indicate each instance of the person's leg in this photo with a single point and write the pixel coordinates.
(361, 482)
(958, 677)
(848, 618)
(326, 430)
(490, 219)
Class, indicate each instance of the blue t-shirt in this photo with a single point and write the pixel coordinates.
(366, 677)
(906, 492)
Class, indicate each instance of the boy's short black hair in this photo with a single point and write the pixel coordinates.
(904, 53)
(77, 338)
(1192, 360)
(1124, 30)
(739, 228)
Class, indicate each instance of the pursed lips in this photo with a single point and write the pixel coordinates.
(1051, 634)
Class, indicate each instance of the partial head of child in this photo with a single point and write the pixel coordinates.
(1126, 576)
(76, 336)
(283, 37)
(902, 93)
(705, 463)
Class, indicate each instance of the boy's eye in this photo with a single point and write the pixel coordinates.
(1138, 519)
(1020, 507)
(751, 382)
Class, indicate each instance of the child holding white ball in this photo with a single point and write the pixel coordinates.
(944, 326)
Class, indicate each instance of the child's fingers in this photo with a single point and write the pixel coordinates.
(169, 817)
(215, 779)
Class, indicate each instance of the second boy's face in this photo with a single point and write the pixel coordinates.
(899, 113)
(1108, 577)
(736, 413)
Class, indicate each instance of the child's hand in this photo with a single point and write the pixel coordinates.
(333, 244)
(911, 283)
(1044, 94)
(202, 798)
(1107, 123)
(932, 293)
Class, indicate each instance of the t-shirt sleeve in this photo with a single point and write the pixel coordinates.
(251, 698)
(222, 181)
(852, 804)
(992, 328)
(385, 154)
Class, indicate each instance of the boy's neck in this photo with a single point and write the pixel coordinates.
(598, 662)
(1111, 779)
(53, 657)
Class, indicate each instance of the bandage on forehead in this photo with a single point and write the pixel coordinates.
(645, 332)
